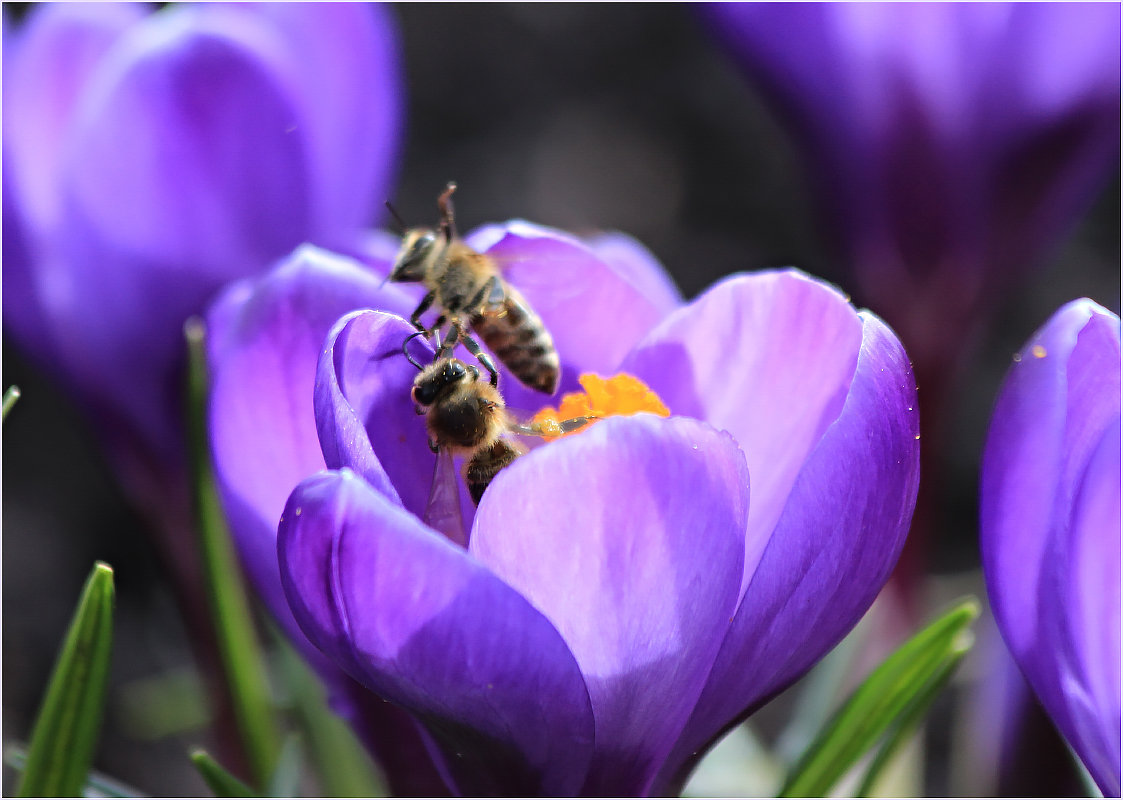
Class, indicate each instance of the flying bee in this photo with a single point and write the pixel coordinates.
(468, 417)
(468, 291)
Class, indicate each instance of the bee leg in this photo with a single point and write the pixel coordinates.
(444, 203)
(405, 352)
(473, 347)
(436, 448)
(574, 424)
(436, 326)
(423, 306)
(445, 347)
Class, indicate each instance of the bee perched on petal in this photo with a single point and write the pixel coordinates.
(468, 290)
(466, 416)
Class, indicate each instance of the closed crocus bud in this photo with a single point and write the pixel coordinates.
(150, 158)
(1050, 527)
(950, 145)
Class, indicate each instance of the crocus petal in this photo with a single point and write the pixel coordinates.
(47, 64)
(951, 137)
(842, 527)
(1051, 122)
(639, 267)
(264, 339)
(1058, 405)
(767, 357)
(348, 84)
(578, 295)
(58, 52)
(24, 316)
(365, 417)
(420, 622)
(1089, 608)
(633, 549)
(159, 172)
(167, 154)
(1043, 426)
(170, 189)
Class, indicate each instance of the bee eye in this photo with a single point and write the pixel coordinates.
(456, 371)
(424, 394)
(422, 244)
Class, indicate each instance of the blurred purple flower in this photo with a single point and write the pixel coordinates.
(950, 144)
(1050, 527)
(621, 601)
(149, 158)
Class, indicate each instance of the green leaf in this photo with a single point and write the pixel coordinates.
(342, 763)
(892, 692)
(1091, 788)
(66, 730)
(10, 398)
(221, 782)
(96, 785)
(910, 719)
(286, 777)
(238, 645)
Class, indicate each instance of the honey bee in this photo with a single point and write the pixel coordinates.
(468, 417)
(467, 289)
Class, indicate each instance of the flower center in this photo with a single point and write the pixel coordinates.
(620, 395)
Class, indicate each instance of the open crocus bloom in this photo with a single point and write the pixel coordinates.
(623, 596)
(1050, 526)
(151, 157)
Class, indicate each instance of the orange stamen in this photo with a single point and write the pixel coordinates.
(620, 395)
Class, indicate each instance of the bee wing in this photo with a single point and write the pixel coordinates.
(549, 274)
(442, 511)
(500, 294)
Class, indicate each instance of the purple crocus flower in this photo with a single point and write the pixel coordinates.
(1050, 526)
(624, 595)
(149, 158)
(950, 144)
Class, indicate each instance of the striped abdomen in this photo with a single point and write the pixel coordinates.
(481, 470)
(519, 339)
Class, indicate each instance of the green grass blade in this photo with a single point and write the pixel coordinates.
(341, 762)
(881, 700)
(10, 398)
(910, 720)
(818, 692)
(221, 782)
(66, 730)
(96, 785)
(238, 645)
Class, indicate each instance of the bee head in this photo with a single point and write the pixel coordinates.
(439, 377)
(413, 257)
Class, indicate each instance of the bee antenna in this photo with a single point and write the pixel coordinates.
(405, 352)
(444, 203)
(397, 218)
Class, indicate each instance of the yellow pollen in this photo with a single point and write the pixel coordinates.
(620, 395)
(1038, 351)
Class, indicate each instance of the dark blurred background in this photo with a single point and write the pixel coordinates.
(579, 116)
